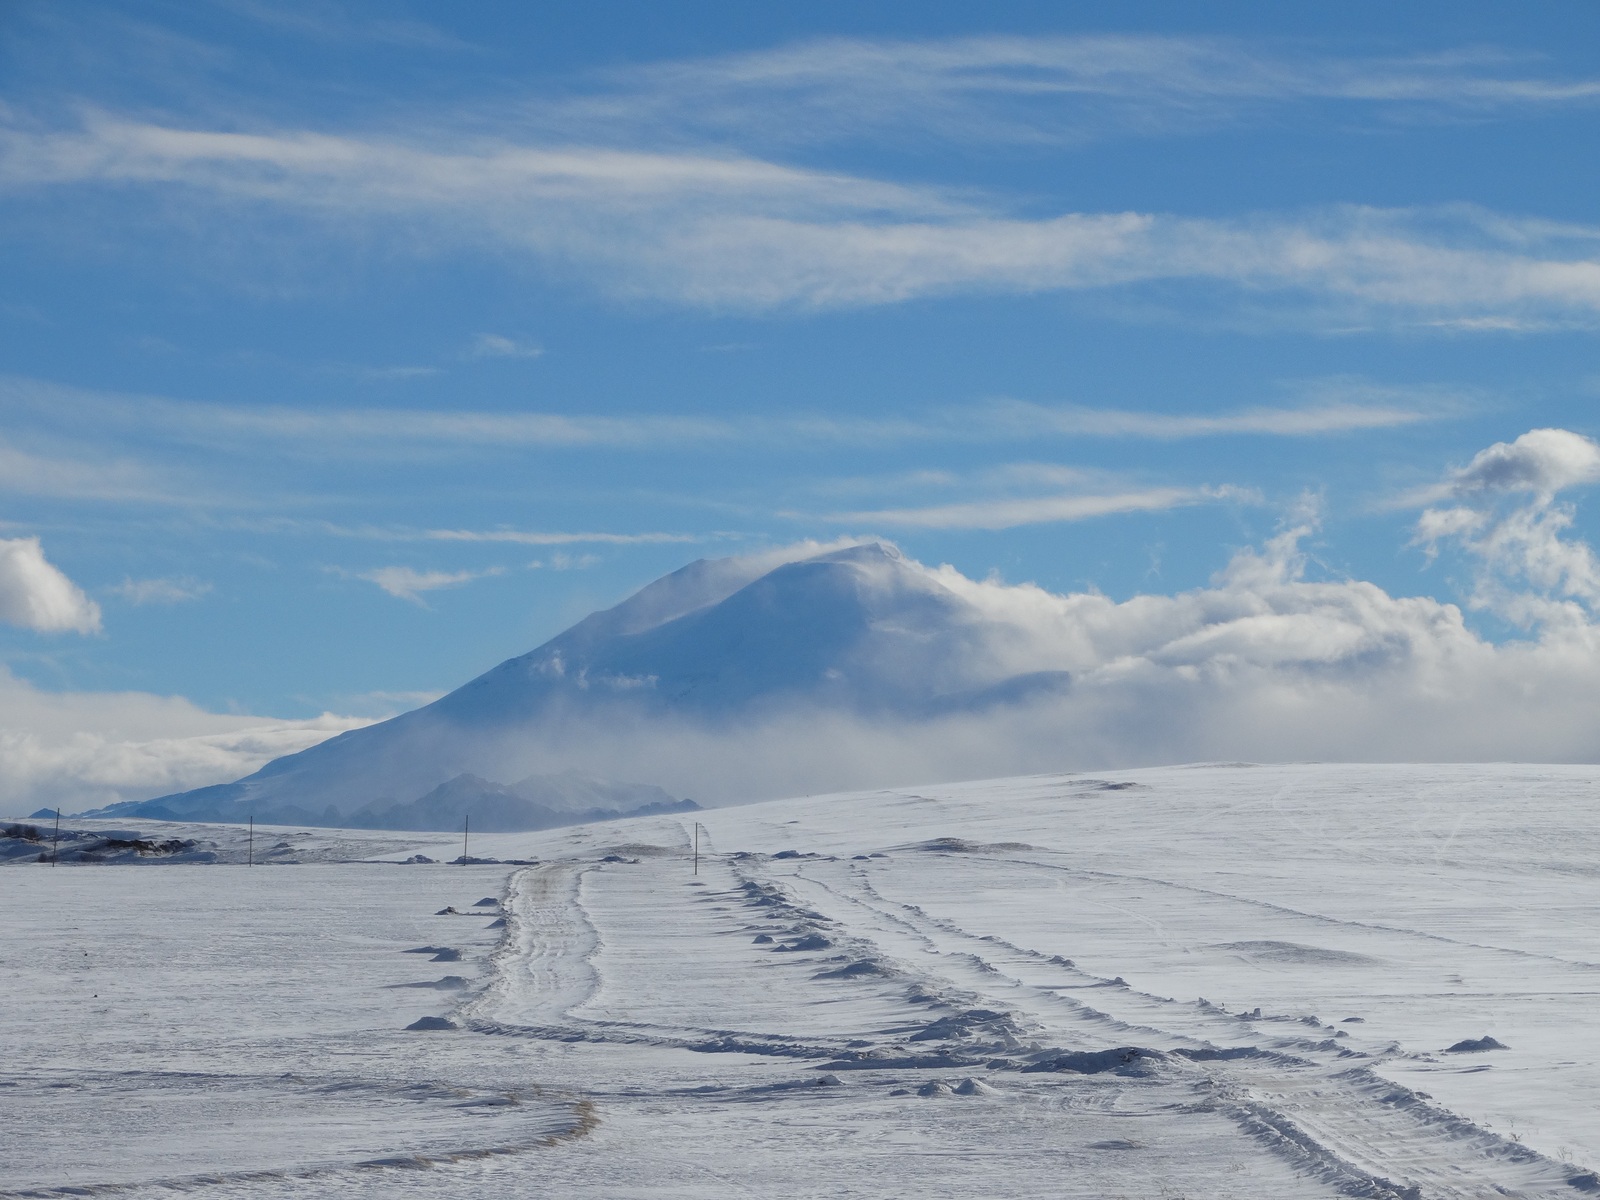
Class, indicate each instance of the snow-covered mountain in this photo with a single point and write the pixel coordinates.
(861, 631)
(752, 678)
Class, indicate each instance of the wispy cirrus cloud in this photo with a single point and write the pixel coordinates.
(320, 527)
(1332, 417)
(733, 232)
(87, 477)
(1322, 408)
(407, 583)
(1053, 89)
(535, 537)
(1009, 512)
(140, 592)
(325, 429)
(327, 23)
(496, 345)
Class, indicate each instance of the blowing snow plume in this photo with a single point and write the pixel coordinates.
(740, 679)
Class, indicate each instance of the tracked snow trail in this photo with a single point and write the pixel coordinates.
(740, 977)
(542, 967)
(1297, 1088)
(1216, 982)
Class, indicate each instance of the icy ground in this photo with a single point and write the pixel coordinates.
(1215, 981)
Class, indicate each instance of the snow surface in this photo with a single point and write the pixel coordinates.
(1224, 981)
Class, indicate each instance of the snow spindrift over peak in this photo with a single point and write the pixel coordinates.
(861, 626)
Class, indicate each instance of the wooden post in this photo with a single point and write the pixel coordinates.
(465, 828)
(697, 847)
(55, 845)
(250, 850)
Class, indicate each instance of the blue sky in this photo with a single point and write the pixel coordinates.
(350, 349)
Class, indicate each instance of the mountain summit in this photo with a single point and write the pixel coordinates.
(859, 631)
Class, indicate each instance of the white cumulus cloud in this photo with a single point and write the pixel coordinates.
(35, 595)
(1502, 510)
(1541, 461)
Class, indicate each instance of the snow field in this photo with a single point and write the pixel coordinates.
(1217, 981)
(221, 1027)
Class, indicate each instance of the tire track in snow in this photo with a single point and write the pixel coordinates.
(542, 968)
(1307, 1101)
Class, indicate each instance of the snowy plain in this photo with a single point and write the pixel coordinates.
(1218, 981)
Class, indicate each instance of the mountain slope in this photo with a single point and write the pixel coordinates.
(859, 630)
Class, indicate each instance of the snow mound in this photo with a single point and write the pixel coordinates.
(424, 1024)
(1122, 1060)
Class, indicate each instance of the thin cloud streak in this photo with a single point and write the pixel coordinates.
(407, 583)
(58, 477)
(140, 592)
(496, 345)
(370, 173)
(1050, 89)
(389, 533)
(212, 424)
(1040, 510)
(524, 537)
(1310, 421)
(321, 431)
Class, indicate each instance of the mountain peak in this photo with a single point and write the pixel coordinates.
(852, 629)
(865, 553)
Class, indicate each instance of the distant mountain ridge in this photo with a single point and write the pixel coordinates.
(538, 802)
(719, 642)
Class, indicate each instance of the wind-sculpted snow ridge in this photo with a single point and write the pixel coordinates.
(1290, 982)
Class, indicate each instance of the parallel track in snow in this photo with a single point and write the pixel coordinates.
(574, 966)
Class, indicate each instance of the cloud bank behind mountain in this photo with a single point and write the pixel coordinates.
(827, 667)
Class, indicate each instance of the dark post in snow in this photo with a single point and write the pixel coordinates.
(697, 847)
(465, 828)
(250, 846)
(55, 845)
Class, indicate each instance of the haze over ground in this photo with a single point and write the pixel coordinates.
(352, 349)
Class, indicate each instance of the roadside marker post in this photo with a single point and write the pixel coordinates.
(55, 843)
(250, 846)
(465, 829)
